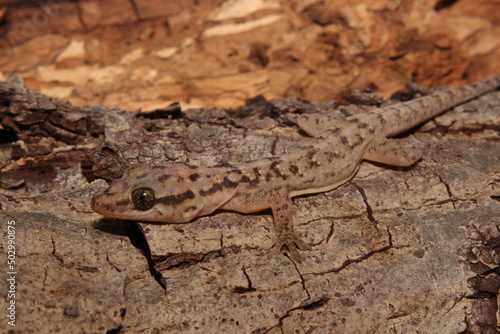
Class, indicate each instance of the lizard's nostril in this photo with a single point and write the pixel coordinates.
(93, 203)
(96, 203)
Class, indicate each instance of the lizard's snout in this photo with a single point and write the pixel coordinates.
(100, 205)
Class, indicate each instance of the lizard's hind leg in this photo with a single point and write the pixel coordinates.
(395, 152)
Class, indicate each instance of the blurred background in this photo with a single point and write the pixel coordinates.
(204, 53)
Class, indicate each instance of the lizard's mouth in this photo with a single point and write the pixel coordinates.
(104, 205)
(100, 206)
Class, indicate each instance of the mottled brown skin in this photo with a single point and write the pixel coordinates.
(183, 192)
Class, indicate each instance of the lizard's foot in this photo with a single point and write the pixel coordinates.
(293, 244)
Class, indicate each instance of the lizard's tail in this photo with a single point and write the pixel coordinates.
(404, 116)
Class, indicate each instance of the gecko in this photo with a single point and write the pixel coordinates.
(178, 193)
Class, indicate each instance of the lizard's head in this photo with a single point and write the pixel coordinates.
(168, 193)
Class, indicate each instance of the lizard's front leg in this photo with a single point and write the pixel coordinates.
(282, 206)
(278, 199)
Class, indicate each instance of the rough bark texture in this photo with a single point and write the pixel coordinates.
(413, 250)
(395, 251)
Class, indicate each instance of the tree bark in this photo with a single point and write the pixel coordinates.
(405, 250)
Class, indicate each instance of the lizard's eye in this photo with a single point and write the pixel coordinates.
(143, 198)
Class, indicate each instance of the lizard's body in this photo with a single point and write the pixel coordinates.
(177, 193)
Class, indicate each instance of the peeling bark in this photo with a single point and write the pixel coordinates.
(411, 250)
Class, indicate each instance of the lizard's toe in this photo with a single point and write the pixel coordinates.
(292, 244)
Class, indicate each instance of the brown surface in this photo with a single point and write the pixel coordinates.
(206, 53)
(414, 249)
(422, 256)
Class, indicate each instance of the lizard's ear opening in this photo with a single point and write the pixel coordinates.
(143, 198)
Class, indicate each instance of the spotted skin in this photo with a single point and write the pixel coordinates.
(183, 192)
